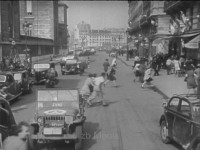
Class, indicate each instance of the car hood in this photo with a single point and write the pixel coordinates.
(58, 111)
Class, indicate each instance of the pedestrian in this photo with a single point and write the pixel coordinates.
(111, 76)
(17, 139)
(114, 62)
(147, 78)
(177, 66)
(168, 65)
(190, 79)
(136, 60)
(88, 86)
(136, 71)
(106, 65)
(98, 90)
(197, 77)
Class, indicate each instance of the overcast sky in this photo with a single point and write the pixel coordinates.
(98, 14)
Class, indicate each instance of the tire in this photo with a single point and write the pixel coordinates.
(78, 132)
(32, 144)
(197, 147)
(163, 132)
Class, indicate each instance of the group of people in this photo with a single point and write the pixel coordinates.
(93, 85)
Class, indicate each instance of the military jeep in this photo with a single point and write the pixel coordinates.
(59, 116)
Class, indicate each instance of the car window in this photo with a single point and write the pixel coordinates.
(10, 78)
(173, 104)
(185, 108)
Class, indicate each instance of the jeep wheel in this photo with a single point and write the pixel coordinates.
(197, 147)
(164, 133)
(32, 144)
(78, 132)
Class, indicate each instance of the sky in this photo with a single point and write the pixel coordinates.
(99, 14)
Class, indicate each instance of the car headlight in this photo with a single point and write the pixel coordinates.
(69, 119)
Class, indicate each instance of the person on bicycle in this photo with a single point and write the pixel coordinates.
(87, 87)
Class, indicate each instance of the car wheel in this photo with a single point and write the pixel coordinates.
(197, 147)
(32, 144)
(78, 132)
(164, 133)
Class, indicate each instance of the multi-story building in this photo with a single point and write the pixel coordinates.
(63, 38)
(184, 28)
(148, 23)
(86, 37)
(32, 25)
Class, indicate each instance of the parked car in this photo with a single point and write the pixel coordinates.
(180, 121)
(9, 88)
(59, 116)
(6, 120)
(113, 54)
(23, 78)
(39, 73)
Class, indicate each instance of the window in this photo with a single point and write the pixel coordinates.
(185, 108)
(173, 105)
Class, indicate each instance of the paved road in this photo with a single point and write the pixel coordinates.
(130, 122)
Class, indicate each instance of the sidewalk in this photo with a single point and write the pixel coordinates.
(166, 85)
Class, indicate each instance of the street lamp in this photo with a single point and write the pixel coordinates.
(27, 27)
(127, 40)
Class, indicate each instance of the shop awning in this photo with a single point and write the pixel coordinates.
(194, 43)
(189, 35)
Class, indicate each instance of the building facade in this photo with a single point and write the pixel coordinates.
(85, 37)
(184, 28)
(31, 26)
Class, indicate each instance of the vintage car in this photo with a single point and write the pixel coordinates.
(9, 86)
(59, 116)
(39, 73)
(180, 121)
(71, 64)
(23, 78)
(6, 120)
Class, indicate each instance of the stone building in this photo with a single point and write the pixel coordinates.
(148, 23)
(184, 28)
(34, 26)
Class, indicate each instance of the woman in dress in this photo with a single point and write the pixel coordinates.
(190, 79)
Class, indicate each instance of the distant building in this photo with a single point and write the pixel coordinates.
(85, 37)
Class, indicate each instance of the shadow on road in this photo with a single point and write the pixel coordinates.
(91, 129)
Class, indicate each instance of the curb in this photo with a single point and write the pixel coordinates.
(155, 88)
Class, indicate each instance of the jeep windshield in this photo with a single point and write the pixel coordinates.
(57, 95)
(2, 78)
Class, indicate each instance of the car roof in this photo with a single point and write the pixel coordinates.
(191, 98)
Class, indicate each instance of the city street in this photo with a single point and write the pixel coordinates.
(130, 122)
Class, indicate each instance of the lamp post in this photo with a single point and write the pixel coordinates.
(127, 40)
(27, 27)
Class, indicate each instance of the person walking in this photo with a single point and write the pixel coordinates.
(111, 76)
(168, 65)
(190, 79)
(177, 66)
(114, 62)
(17, 140)
(136, 71)
(106, 65)
(147, 78)
(98, 89)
